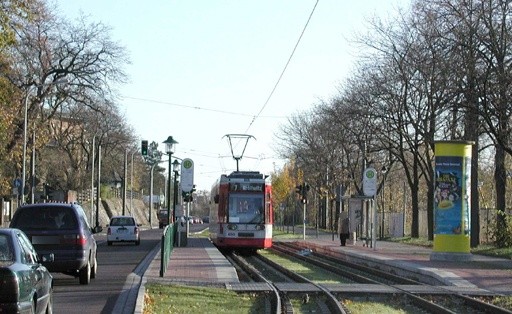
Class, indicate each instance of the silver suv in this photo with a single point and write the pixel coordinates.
(60, 229)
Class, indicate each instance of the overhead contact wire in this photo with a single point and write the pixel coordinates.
(284, 69)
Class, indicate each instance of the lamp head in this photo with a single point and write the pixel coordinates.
(170, 145)
(175, 165)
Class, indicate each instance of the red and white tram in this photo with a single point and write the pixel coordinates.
(241, 214)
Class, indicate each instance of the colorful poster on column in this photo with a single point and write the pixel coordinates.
(451, 216)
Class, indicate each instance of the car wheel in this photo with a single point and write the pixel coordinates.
(94, 268)
(49, 305)
(85, 274)
(137, 242)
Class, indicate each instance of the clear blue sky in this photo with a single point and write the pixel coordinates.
(202, 69)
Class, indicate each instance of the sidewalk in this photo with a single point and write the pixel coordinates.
(199, 262)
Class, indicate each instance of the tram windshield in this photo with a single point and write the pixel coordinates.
(246, 208)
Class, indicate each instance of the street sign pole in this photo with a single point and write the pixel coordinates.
(370, 189)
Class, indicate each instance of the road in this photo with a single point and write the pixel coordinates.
(120, 267)
(117, 269)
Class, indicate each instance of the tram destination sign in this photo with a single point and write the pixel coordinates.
(246, 187)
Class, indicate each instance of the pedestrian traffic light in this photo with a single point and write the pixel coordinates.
(144, 148)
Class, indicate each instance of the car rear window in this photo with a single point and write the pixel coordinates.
(45, 218)
(5, 251)
(122, 221)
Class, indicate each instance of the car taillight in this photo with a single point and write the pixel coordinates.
(76, 239)
(136, 230)
(10, 288)
(109, 231)
(81, 240)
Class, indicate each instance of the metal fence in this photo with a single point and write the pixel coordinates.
(166, 247)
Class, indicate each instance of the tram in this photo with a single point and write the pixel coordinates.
(241, 214)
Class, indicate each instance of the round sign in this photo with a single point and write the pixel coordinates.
(187, 163)
(370, 182)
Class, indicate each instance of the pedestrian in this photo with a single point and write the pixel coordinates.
(343, 227)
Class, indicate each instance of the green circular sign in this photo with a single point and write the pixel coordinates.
(370, 174)
(187, 164)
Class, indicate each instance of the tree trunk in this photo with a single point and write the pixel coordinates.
(475, 199)
(415, 212)
(501, 185)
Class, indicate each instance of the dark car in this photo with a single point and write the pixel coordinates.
(61, 229)
(26, 286)
(163, 218)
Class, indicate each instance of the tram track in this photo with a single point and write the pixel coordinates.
(434, 299)
(259, 267)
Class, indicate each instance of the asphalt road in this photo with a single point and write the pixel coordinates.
(119, 268)
(115, 288)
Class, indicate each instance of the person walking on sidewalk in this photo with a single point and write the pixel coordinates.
(343, 227)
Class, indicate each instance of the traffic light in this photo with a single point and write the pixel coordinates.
(298, 189)
(144, 148)
(189, 196)
(304, 194)
(47, 191)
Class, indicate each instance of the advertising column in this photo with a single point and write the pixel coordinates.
(452, 195)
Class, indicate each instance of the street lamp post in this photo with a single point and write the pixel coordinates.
(131, 182)
(98, 190)
(92, 176)
(33, 185)
(125, 180)
(23, 171)
(151, 193)
(175, 168)
(169, 149)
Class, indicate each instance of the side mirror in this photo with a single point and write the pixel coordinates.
(139, 225)
(97, 229)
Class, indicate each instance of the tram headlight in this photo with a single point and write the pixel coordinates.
(259, 227)
(232, 227)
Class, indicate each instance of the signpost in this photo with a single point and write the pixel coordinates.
(370, 189)
(187, 183)
(370, 182)
(187, 175)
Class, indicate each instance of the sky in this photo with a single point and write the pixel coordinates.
(202, 69)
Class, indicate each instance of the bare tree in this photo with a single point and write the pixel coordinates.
(495, 49)
(49, 51)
